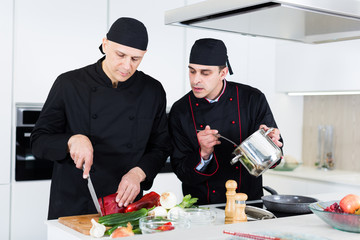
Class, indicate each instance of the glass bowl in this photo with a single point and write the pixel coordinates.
(340, 221)
(196, 216)
(151, 224)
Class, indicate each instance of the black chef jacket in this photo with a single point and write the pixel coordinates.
(238, 113)
(127, 127)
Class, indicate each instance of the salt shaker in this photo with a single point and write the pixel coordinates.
(240, 215)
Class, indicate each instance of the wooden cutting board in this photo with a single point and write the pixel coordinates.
(81, 223)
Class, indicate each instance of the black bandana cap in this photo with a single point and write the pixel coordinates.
(210, 52)
(129, 32)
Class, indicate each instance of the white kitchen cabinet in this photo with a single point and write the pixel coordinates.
(164, 59)
(5, 211)
(29, 209)
(52, 37)
(6, 22)
(325, 67)
(309, 181)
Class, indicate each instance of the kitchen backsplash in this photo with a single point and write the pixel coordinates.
(343, 113)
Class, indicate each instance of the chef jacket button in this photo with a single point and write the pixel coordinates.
(237, 167)
(213, 191)
(129, 145)
(201, 126)
(131, 117)
(197, 104)
(94, 89)
(94, 116)
(233, 122)
(230, 99)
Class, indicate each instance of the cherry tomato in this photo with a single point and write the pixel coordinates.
(350, 203)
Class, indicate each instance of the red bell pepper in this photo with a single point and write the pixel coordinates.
(166, 227)
(147, 201)
(108, 205)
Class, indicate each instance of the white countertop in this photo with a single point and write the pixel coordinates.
(312, 173)
(308, 224)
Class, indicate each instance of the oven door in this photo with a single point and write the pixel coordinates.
(27, 166)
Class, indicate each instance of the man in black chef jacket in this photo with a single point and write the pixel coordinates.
(109, 117)
(215, 106)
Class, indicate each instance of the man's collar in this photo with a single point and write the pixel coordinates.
(222, 91)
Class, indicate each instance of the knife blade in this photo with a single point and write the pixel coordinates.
(93, 195)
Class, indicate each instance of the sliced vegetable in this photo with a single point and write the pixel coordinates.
(165, 227)
(147, 201)
(97, 230)
(118, 218)
(168, 200)
(188, 201)
(108, 205)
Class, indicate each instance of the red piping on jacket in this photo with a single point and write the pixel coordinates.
(237, 92)
(208, 190)
(217, 164)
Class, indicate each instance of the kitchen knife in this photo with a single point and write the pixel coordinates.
(93, 195)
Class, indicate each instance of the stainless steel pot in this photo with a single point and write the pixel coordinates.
(257, 152)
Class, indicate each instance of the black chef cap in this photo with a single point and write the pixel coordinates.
(129, 32)
(210, 52)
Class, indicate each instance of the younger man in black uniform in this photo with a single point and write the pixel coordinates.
(215, 106)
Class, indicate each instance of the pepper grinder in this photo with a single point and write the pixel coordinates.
(230, 201)
(240, 215)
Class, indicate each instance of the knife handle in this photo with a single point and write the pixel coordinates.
(85, 177)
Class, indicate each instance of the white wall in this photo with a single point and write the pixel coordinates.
(51, 37)
(5, 211)
(6, 15)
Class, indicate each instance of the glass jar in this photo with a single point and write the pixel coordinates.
(325, 158)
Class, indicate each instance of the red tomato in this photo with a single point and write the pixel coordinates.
(166, 227)
(350, 203)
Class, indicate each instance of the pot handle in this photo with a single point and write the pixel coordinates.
(270, 190)
(268, 131)
(235, 159)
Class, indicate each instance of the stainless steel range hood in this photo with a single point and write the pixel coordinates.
(309, 21)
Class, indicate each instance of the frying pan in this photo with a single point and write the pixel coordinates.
(286, 203)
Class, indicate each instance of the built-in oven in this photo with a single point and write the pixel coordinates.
(27, 166)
